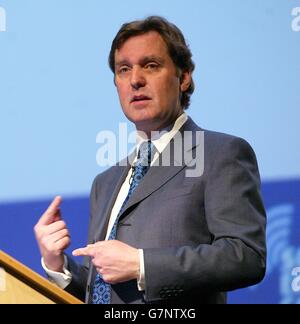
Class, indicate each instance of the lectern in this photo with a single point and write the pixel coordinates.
(20, 285)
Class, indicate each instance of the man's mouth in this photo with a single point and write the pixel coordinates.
(140, 98)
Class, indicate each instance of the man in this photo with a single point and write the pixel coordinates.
(157, 234)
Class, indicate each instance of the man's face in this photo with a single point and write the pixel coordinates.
(148, 84)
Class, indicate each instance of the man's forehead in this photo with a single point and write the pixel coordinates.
(145, 46)
(152, 38)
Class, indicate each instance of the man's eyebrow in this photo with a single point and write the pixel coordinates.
(152, 58)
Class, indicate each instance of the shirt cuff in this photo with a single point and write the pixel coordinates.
(62, 280)
(141, 281)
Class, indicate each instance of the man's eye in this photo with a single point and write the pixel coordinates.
(123, 69)
(152, 66)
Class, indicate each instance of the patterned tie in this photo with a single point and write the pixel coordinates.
(102, 290)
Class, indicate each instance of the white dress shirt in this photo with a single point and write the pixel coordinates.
(160, 141)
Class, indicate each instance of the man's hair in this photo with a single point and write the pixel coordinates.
(172, 36)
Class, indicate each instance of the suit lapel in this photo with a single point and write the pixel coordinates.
(154, 179)
(157, 176)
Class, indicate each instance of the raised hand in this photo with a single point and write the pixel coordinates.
(52, 236)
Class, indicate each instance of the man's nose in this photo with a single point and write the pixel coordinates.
(137, 78)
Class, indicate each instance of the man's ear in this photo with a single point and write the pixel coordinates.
(185, 81)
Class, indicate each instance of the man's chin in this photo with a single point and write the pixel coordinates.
(140, 120)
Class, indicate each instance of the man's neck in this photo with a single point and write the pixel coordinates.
(148, 130)
(157, 134)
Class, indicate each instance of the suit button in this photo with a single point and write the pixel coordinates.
(162, 293)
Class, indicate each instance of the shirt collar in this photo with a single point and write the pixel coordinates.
(163, 137)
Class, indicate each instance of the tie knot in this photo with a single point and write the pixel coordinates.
(145, 154)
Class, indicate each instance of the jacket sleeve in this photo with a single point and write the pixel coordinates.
(80, 273)
(77, 287)
(236, 219)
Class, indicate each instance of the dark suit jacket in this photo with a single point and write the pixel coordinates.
(202, 236)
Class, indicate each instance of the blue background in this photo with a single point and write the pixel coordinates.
(57, 93)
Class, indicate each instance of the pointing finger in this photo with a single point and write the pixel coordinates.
(52, 214)
(87, 251)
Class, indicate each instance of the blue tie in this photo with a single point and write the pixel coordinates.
(102, 290)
